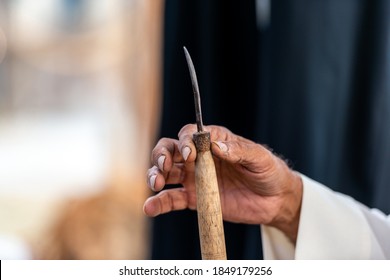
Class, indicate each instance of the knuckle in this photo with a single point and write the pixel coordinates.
(160, 148)
(188, 129)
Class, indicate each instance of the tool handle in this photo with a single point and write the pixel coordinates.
(211, 233)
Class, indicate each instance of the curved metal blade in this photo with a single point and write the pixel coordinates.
(195, 88)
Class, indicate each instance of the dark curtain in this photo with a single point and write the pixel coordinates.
(313, 84)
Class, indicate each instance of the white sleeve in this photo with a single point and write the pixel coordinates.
(331, 226)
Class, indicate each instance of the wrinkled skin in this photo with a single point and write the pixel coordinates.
(256, 187)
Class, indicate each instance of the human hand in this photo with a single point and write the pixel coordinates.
(256, 187)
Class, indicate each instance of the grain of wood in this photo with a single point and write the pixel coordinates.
(211, 232)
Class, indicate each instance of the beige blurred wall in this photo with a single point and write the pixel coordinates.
(80, 105)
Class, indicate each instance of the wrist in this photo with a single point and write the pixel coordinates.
(287, 219)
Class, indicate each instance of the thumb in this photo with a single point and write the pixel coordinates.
(252, 156)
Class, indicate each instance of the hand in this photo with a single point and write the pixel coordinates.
(256, 187)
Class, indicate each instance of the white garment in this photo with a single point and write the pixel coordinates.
(331, 226)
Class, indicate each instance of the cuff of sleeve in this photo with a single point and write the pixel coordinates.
(276, 245)
(331, 226)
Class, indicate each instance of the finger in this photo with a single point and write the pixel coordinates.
(252, 156)
(156, 180)
(176, 175)
(219, 132)
(165, 153)
(186, 144)
(167, 201)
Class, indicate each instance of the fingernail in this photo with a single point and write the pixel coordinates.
(222, 146)
(152, 181)
(186, 152)
(160, 162)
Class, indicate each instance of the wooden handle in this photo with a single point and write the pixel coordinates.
(212, 237)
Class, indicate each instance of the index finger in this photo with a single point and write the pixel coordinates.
(165, 153)
(186, 144)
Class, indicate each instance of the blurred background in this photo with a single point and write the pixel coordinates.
(79, 100)
(87, 87)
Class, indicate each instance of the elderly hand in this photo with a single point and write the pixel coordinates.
(256, 187)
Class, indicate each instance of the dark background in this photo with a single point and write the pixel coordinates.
(313, 83)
